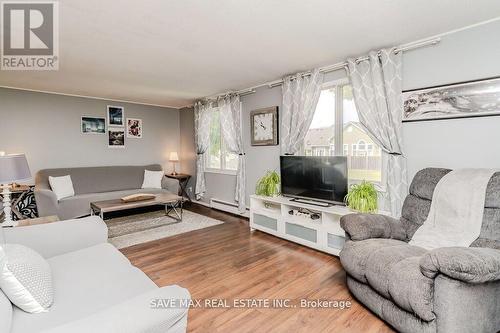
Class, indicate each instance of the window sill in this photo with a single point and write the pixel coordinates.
(221, 172)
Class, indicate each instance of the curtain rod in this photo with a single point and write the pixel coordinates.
(328, 69)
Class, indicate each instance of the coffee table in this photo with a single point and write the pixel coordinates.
(169, 200)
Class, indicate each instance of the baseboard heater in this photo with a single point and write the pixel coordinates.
(227, 206)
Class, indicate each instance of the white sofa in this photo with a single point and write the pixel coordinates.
(96, 288)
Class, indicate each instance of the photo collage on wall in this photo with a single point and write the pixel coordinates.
(118, 127)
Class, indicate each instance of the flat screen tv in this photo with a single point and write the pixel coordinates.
(320, 178)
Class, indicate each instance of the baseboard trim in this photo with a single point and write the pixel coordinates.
(202, 203)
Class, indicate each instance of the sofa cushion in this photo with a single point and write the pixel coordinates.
(62, 186)
(380, 264)
(25, 278)
(152, 179)
(85, 282)
(411, 290)
(79, 205)
(5, 313)
(392, 269)
(354, 255)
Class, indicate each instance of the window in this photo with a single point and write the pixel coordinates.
(336, 130)
(218, 159)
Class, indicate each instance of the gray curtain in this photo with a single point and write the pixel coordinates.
(202, 115)
(377, 89)
(300, 97)
(230, 119)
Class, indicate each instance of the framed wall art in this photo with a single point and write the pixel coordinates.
(93, 125)
(116, 116)
(264, 127)
(478, 98)
(134, 128)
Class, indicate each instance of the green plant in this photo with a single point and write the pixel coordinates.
(362, 197)
(269, 185)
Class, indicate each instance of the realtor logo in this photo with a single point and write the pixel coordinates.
(30, 35)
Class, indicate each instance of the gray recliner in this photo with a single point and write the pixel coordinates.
(454, 289)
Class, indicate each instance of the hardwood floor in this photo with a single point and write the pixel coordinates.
(230, 262)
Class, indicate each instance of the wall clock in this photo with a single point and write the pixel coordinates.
(264, 127)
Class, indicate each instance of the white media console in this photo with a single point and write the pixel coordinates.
(271, 215)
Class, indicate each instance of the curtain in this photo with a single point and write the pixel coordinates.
(300, 97)
(202, 139)
(377, 89)
(230, 119)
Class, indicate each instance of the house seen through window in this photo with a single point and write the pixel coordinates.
(326, 138)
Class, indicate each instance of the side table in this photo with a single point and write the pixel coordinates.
(183, 180)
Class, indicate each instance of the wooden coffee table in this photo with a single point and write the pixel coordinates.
(169, 200)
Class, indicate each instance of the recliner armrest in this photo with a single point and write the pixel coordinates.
(467, 264)
(52, 239)
(157, 311)
(364, 226)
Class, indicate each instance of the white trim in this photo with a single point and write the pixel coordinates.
(94, 97)
(203, 203)
(334, 83)
(221, 171)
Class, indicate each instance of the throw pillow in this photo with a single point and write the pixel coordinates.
(62, 186)
(152, 179)
(25, 278)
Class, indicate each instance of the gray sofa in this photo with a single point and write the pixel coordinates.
(90, 184)
(444, 290)
(96, 289)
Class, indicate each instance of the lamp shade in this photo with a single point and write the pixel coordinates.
(14, 168)
(174, 157)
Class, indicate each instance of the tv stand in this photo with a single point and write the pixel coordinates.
(312, 202)
(272, 215)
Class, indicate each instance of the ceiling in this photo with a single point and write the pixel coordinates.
(171, 52)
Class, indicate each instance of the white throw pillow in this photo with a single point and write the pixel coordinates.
(62, 186)
(25, 278)
(152, 179)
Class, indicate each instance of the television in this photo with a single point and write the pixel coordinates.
(317, 178)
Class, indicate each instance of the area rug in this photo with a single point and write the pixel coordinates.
(140, 228)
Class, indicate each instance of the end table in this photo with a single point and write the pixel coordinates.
(183, 180)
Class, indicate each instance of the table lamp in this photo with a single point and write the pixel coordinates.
(13, 168)
(174, 158)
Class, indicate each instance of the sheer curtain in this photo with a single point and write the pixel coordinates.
(377, 89)
(300, 97)
(230, 119)
(202, 140)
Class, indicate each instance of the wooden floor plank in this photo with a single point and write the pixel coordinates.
(228, 261)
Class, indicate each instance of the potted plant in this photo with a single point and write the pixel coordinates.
(362, 197)
(269, 185)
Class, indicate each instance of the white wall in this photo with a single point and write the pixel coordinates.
(47, 128)
(475, 142)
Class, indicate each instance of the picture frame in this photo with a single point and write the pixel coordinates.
(469, 99)
(116, 138)
(116, 116)
(134, 128)
(93, 125)
(264, 127)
